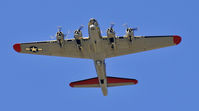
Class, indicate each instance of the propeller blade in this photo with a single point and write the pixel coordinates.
(102, 32)
(52, 36)
(59, 28)
(112, 25)
(67, 33)
(81, 27)
(125, 25)
(135, 28)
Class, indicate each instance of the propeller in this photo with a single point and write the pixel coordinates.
(67, 33)
(103, 32)
(59, 28)
(81, 27)
(134, 28)
(126, 25)
(112, 25)
(52, 36)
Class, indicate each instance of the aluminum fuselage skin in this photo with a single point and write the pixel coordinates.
(99, 61)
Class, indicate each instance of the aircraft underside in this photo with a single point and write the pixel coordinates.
(98, 48)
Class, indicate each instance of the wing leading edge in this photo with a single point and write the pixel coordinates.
(122, 46)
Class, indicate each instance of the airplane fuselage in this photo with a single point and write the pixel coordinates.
(99, 61)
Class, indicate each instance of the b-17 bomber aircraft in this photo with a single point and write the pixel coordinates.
(98, 48)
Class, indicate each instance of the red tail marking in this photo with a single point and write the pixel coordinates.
(85, 82)
(109, 80)
(120, 80)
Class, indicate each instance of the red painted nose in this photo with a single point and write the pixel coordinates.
(177, 39)
(17, 47)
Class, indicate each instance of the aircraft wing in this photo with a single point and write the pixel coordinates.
(52, 48)
(124, 46)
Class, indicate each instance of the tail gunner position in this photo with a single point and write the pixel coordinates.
(98, 48)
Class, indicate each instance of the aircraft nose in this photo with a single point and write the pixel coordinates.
(92, 27)
(93, 21)
(17, 47)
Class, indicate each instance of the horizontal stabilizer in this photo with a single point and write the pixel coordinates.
(93, 82)
(116, 81)
(111, 81)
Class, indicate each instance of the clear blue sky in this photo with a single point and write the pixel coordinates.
(168, 77)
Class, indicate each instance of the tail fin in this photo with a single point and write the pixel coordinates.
(111, 81)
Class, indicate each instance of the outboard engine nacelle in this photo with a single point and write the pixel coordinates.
(60, 38)
(130, 33)
(110, 33)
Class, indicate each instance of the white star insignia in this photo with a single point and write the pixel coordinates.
(34, 49)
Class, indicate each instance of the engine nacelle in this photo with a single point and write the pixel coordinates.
(130, 33)
(111, 36)
(110, 33)
(78, 34)
(60, 38)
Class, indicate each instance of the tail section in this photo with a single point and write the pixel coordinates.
(111, 81)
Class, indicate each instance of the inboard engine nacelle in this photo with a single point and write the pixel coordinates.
(60, 37)
(78, 33)
(110, 32)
